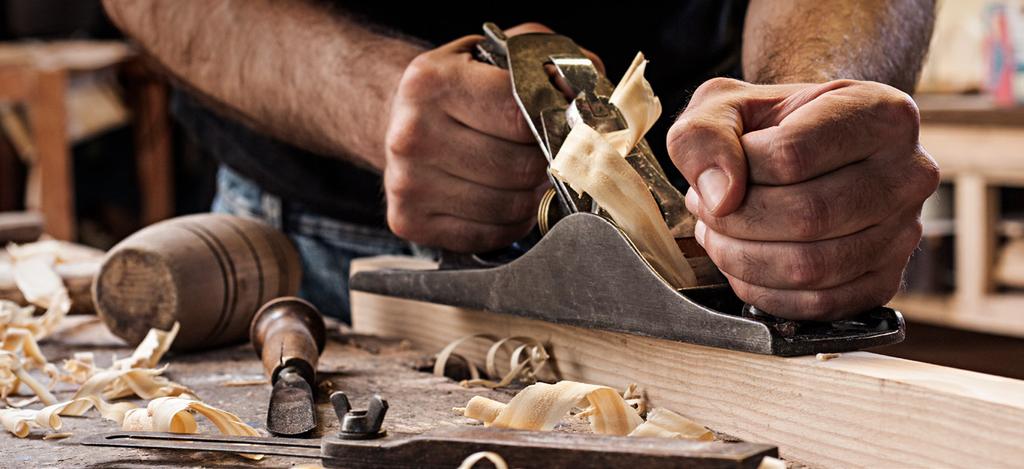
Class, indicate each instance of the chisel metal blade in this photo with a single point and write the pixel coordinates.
(292, 409)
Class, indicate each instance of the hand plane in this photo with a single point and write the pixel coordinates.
(584, 271)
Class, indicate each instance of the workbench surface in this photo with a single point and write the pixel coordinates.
(358, 365)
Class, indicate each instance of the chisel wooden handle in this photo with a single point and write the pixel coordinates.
(288, 331)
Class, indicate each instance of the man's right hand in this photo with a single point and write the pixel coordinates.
(463, 171)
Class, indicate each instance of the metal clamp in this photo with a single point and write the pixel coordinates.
(359, 424)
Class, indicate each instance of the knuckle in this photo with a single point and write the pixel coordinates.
(717, 85)
(817, 305)
(812, 216)
(403, 137)
(400, 223)
(515, 120)
(806, 267)
(889, 288)
(422, 76)
(789, 157)
(929, 173)
(684, 137)
(530, 172)
(399, 184)
(522, 207)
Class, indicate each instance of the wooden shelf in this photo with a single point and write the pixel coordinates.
(995, 314)
(978, 149)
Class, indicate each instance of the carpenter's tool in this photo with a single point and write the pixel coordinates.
(210, 272)
(586, 272)
(361, 443)
(288, 334)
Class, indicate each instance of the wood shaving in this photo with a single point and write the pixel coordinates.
(57, 436)
(771, 463)
(174, 414)
(667, 424)
(824, 357)
(595, 164)
(636, 398)
(525, 361)
(237, 383)
(638, 105)
(591, 165)
(540, 406)
(135, 375)
(494, 458)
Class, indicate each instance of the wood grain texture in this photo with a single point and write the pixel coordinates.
(211, 272)
(858, 410)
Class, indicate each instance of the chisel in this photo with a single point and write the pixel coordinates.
(288, 334)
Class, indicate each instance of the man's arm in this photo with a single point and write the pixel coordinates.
(812, 41)
(293, 69)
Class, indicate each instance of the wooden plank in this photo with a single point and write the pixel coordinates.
(858, 410)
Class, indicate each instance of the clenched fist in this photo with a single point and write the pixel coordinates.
(463, 171)
(808, 195)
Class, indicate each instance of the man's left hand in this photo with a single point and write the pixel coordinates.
(808, 195)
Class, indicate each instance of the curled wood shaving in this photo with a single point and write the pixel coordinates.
(12, 375)
(494, 458)
(595, 164)
(638, 104)
(589, 164)
(152, 348)
(79, 368)
(636, 398)
(525, 361)
(667, 424)
(174, 414)
(540, 406)
(449, 350)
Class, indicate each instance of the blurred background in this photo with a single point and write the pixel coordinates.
(88, 149)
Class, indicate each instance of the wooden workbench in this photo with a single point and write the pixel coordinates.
(358, 365)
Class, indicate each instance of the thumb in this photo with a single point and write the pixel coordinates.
(704, 143)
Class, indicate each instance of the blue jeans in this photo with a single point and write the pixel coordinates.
(326, 245)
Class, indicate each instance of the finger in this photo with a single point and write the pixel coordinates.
(704, 143)
(529, 27)
(865, 292)
(488, 160)
(814, 265)
(540, 28)
(467, 236)
(834, 205)
(477, 94)
(444, 195)
(860, 120)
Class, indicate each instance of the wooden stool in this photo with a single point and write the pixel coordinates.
(36, 75)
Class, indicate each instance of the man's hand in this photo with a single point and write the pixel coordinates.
(808, 195)
(463, 171)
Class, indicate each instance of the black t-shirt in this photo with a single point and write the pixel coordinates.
(687, 42)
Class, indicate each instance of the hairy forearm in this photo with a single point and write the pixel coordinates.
(293, 69)
(820, 40)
